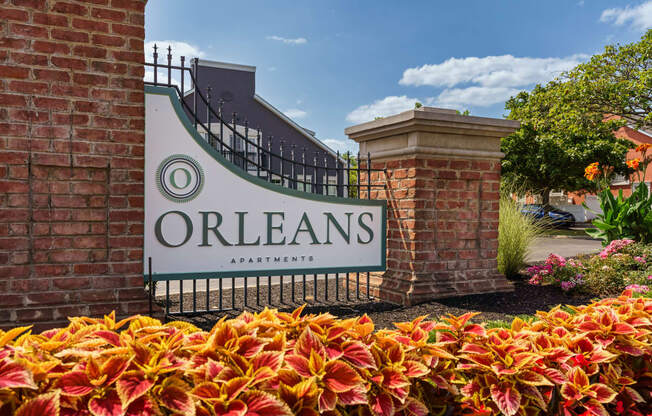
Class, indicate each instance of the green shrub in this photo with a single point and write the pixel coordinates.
(624, 218)
(516, 232)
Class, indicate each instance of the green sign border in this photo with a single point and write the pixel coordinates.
(171, 92)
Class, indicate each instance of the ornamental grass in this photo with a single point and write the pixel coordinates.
(588, 360)
(516, 233)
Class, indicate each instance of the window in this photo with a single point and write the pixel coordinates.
(252, 157)
(307, 187)
(620, 180)
(332, 185)
(276, 179)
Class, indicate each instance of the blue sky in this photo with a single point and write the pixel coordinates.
(332, 64)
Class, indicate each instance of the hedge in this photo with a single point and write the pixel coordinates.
(588, 360)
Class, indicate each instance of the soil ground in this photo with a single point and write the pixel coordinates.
(525, 299)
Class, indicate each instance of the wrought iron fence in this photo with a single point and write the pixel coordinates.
(247, 149)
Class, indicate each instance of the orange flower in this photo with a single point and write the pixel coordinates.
(643, 147)
(633, 164)
(591, 171)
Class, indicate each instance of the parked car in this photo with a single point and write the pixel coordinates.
(557, 217)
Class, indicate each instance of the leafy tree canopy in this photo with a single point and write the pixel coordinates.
(556, 141)
(567, 123)
(617, 82)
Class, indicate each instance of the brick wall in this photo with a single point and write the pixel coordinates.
(442, 237)
(441, 172)
(71, 159)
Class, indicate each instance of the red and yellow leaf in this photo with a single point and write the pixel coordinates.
(382, 405)
(176, 399)
(327, 400)
(414, 369)
(506, 397)
(131, 386)
(307, 343)
(415, 408)
(357, 395)
(114, 367)
(533, 379)
(271, 359)
(5, 337)
(593, 407)
(340, 377)
(601, 393)
(46, 404)
(299, 364)
(359, 355)
(107, 405)
(143, 406)
(75, 383)
(13, 375)
(264, 404)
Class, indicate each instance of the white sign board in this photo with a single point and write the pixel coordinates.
(205, 217)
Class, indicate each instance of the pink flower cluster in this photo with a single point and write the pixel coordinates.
(571, 284)
(575, 263)
(614, 247)
(556, 260)
(639, 259)
(537, 273)
(638, 288)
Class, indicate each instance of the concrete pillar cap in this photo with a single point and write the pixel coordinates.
(432, 131)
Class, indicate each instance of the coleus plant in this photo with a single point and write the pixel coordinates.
(589, 360)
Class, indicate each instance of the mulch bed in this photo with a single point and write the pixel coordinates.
(526, 299)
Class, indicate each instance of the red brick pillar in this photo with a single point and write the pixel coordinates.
(71, 159)
(442, 185)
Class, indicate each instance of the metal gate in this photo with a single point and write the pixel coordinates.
(249, 150)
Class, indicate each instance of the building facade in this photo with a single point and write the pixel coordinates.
(233, 95)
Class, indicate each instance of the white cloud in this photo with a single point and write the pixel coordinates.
(289, 41)
(488, 80)
(640, 16)
(295, 113)
(490, 71)
(477, 96)
(271, 68)
(162, 77)
(382, 108)
(179, 49)
(342, 145)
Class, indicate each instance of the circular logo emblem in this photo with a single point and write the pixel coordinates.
(179, 178)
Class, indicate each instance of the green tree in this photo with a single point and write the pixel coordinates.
(352, 163)
(556, 141)
(617, 82)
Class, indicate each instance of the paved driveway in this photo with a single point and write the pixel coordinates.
(566, 247)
